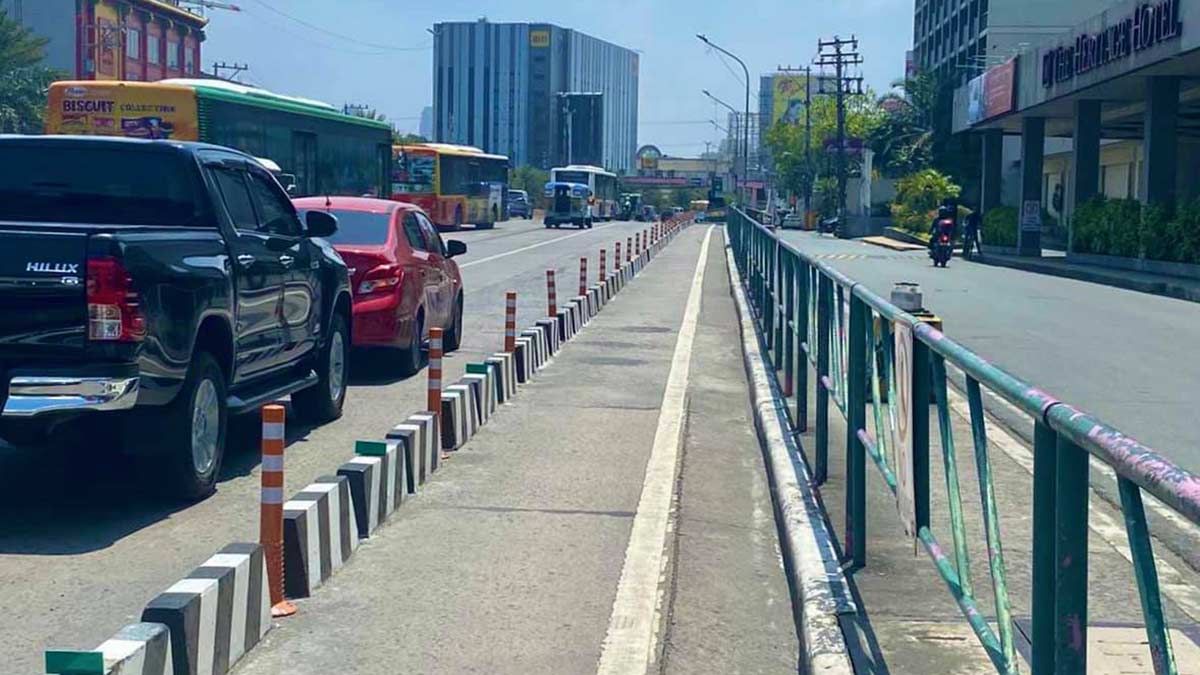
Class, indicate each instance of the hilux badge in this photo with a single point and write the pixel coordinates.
(52, 268)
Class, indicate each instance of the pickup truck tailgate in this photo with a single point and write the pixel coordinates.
(43, 296)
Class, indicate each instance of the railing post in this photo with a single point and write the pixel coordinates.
(769, 300)
(805, 275)
(1071, 560)
(922, 390)
(778, 300)
(824, 326)
(1045, 484)
(788, 270)
(856, 419)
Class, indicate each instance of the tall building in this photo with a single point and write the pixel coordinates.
(958, 39)
(497, 86)
(115, 39)
(582, 128)
(425, 126)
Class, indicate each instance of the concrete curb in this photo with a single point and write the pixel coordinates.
(1165, 289)
(136, 649)
(318, 535)
(815, 576)
(218, 613)
(892, 244)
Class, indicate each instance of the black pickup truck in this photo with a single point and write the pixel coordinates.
(150, 289)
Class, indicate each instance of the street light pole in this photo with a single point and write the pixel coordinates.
(746, 118)
(735, 140)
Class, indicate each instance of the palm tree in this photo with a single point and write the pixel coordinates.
(904, 141)
(24, 81)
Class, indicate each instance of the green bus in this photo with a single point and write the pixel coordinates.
(325, 150)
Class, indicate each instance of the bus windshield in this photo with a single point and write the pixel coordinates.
(581, 177)
(413, 173)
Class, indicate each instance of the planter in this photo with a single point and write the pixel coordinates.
(1000, 250)
(1173, 269)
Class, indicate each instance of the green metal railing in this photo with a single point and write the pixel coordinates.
(812, 315)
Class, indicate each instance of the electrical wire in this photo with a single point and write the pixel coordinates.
(326, 31)
(314, 42)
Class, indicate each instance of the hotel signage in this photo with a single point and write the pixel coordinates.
(1150, 24)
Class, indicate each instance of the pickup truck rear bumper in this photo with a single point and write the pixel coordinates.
(33, 395)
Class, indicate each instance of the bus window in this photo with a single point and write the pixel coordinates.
(413, 174)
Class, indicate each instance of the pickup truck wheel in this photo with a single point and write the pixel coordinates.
(323, 401)
(453, 337)
(193, 428)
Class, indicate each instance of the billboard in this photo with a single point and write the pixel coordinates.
(132, 110)
(992, 93)
(788, 97)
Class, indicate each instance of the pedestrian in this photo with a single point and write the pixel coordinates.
(971, 231)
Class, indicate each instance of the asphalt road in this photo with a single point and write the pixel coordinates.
(82, 545)
(1127, 357)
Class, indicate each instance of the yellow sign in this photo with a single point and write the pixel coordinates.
(789, 97)
(130, 109)
(539, 38)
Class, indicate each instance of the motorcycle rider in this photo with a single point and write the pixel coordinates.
(947, 211)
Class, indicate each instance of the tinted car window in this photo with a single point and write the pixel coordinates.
(412, 232)
(358, 228)
(431, 235)
(275, 213)
(236, 196)
(105, 185)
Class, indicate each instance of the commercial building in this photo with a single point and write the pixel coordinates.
(115, 39)
(958, 39)
(1119, 89)
(497, 86)
(658, 170)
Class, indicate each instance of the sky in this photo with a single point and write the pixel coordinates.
(378, 52)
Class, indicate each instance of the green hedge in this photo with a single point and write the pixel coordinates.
(1124, 228)
(918, 196)
(1000, 226)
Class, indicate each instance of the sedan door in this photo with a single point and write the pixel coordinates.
(417, 230)
(445, 284)
(258, 275)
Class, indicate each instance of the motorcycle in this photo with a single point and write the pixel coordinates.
(943, 245)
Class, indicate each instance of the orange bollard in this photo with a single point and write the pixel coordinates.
(510, 322)
(637, 244)
(270, 526)
(603, 265)
(628, 249)
(551, 294)
(433, 400)
(617, 257)
(583, 276)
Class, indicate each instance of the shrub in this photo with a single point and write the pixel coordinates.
(918, 196)
(1000, 226)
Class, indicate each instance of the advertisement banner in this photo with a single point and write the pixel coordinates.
(788, 99)
(992, 93)
(130, 109)
(902, 428)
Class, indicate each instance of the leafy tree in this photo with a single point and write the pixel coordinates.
(903, 142)
(532, 180)
(24, 81)
(407, 139)
(918, 196)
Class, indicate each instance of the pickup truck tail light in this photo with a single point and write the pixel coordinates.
(381, 279)
(114, 310)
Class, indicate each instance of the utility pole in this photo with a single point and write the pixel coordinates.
(840, 54)
(235, 68)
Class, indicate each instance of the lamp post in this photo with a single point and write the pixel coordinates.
(746, 118)
(735, 140)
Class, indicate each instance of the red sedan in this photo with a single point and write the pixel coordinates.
(403, 275)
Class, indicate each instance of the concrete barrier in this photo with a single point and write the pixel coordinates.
(523, 361)
(429, 438)
(411, 445)
(502, 377)
(495, 384)
(566, 325)
(549, 329)
(469, 418)
(136, 649)
(485, 395)
(376, 481)
(319, 535)
(536, 351)
(218, 613)
(579, 309)
(453, 426)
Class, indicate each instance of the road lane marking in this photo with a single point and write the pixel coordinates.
(631, 627)
(1172, 583)
(537, 245)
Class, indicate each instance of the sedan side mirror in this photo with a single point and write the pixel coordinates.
(320, 223)
(455, 248)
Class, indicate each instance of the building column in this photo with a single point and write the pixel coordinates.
(1085, 159)
(993, 169)
(1033, 145)
(1160, 155)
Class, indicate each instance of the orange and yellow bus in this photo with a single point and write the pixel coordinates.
(455, 184)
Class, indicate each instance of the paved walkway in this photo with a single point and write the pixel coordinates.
(1166, 285)
(509, 562)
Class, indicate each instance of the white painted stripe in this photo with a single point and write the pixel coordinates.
(264, 609)
(435, 383)
(272, 463)
(533, 246)
(272, 495)
(117, 650)
(1172, 583)
(241, 600)
(335, 524)
(272, 431)
(298, 504)
(312, 520)
(206, 639)
(629, 642)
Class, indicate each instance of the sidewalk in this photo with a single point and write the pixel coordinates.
(1180, 288)
(509, 561)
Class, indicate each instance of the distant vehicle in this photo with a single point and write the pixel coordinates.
(649, 213)
(603, 185)
(631, 205)
(568, 204)
(403, 275)
(716, 209)
(454, 184)
(169, 290)
(676, 210)
(698, 205)
(701, 217)
(321, 149)
(518, 204)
